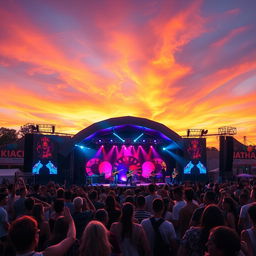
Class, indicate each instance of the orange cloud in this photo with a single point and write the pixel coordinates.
(158, 61)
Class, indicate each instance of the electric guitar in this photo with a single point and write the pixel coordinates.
(116, 172)
(153, 174)
(175, 174)
(129, 174)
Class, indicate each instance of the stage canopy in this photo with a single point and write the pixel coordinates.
(114, 125)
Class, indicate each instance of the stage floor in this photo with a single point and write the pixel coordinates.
(124, 185)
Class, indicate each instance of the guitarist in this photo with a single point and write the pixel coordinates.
(175, 173)
(129, 175)
(153, 176)
(163, 173)
(115, 175)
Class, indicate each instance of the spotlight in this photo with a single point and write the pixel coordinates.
(119, 137)
(100, 140)
(135, 140)
(111, 140)
(164, 149)
(144, 141)
(154, 141)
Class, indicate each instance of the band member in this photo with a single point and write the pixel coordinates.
(115, 175)
(153, 176)
(163, 173)
(129, 177)
(175, 173)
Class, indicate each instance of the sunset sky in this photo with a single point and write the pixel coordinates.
(186, 64)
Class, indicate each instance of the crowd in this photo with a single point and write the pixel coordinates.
(188, 219)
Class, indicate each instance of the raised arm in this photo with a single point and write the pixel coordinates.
(62, 247)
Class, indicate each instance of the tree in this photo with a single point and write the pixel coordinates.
(7, 136)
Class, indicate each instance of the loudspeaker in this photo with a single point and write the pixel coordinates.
(28, 152)
(226, 155)
(229, 153)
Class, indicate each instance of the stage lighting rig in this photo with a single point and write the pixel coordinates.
(227, 130)
(222, 131)
(196, 132)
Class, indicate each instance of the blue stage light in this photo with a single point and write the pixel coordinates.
(138, 137)
(119, 137)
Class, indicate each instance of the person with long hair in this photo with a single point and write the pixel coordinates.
(223, 241)
(23, 235)
(230, 212)
(130, 235)
(112, 209)
(195, 239)
(94, 241)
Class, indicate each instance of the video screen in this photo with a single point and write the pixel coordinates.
(195, 156)
(45, 150)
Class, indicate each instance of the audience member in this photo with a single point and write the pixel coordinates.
(94, 241)
(208, 198)
(179, 204)
(223, 241)
(249, 235)
(150, 198)
(43, 225)
(4, 222)
(81, 218)
(160, 233)
(195, 239)
(130, 235)
(140, 212)
(187, 211)
(24, 236)
(112, 209)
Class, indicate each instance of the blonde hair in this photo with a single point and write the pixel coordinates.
(94, 241)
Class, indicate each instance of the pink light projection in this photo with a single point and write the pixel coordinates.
(147, 168)
(92, 166)
(159, 164)
(105, 167)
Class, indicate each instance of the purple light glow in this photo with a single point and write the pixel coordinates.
(98, 153)
(147, 168)
(155, 154)
(123, 178)
(110, 153)
(105, 168)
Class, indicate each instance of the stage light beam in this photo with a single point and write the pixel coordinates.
(119, 137)
(135, 140)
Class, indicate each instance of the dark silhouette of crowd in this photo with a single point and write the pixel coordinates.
(186, 219)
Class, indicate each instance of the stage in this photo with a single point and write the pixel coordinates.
(143, 147)
(125, 186)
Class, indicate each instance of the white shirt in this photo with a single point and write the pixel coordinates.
(166, 230)
(176, 209)
(3, 218)
(244, 214)
(149, 201)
